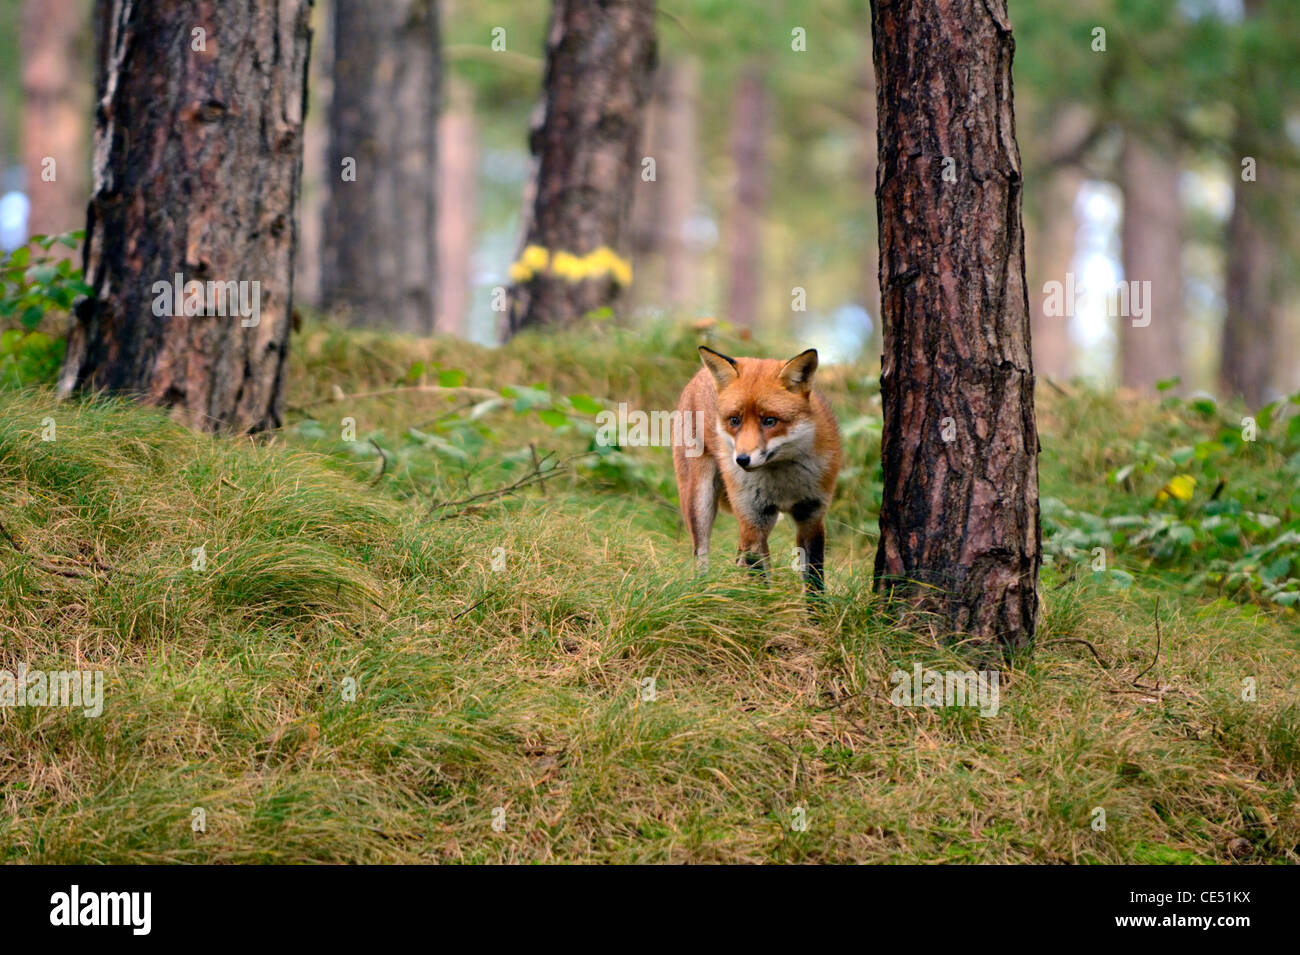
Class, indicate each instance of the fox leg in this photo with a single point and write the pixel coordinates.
(753, 542)
(700, 510)
(810, 538)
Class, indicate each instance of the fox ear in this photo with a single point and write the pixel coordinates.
(798, 372)
(723, 369)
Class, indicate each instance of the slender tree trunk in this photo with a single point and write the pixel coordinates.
(381, 250)
(749, 124)
(661, 208)
(457, 169)
(316, 174)
(1253, 291)
(1253, 324)
(869, 290)
(585, 142)
(1152, 248)
(56, 82)
(959, 531)
(1050, 246)
(198, 156)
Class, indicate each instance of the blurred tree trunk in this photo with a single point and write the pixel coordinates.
(661, 209)
(959, 531)
(57, 86)
(457, 172)
(869, 290)
(381, 249)
(315, 158)
(1050, 246)
(749, 125)
(1253, 291)
(198, 156)
(1152, 249)
(586, 147)
(1253, 287)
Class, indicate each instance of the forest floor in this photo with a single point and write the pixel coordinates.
(502, 651)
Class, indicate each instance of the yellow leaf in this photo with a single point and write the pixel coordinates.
(1180, 486)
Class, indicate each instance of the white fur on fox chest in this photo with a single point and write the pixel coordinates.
(789, 474)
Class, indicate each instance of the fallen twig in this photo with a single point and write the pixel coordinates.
(1095, 653)
(383, 462)
(1156, 656)
(539, 473)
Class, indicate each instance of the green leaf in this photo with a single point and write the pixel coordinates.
(451, 378)
(553, 418)
(585, 404)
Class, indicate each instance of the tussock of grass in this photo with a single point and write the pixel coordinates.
(524, 689)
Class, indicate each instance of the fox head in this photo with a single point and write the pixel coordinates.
(765, 411)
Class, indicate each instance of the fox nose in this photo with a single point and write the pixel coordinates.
(742, 460)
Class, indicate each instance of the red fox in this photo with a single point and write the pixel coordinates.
(770, 446)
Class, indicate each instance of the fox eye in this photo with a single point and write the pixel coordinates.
(769, 422)
(734, 421)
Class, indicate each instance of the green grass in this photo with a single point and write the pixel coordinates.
(520, 689)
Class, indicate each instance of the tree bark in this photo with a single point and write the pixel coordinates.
(56, 85)
(749, 124)
(457, 171)
(198, 156)
(959, 531)
(381, 250)
(1152, 248)
(585, 143)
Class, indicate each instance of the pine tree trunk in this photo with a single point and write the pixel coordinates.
(959, 531)
(661, 208)
(1152, 248)
(198, 155)
(56, 78)
(749, 123)
(381, 250)
(316, 173)
(869, 289)
(1253, 287)
(457, 169)
(585, 142)
(1050, 241)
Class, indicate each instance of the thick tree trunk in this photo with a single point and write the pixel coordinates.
(749, 122)
(56, 82)
(381, 250)
(585, 142)
(959, 531)
(198, 155)
(661, 208)
(1152, 249)
(457, 170)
